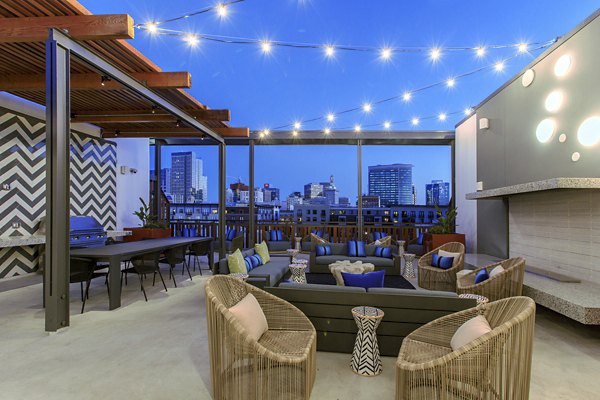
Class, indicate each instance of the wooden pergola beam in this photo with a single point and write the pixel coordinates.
(139, 116)
(92, 81)
(79, 27)
(165, 133)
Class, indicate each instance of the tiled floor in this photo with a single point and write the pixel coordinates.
(158, 350)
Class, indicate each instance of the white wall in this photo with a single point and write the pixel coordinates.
(466, 180)
(133, 153)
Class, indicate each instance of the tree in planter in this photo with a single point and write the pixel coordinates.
(445, 223)
(148, 220)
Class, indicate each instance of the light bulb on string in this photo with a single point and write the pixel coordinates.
(329, 51)
(435, 54)
(294, 133)
(387, 124)
(451, 82)
(385, 54)
(330, 117)
(442, 116)
(327, 131)
(357, 128)
(522, 48)
(221, 10)
(480, 51)
(191, 39)
(266, 46)
(499, 66)
(468, 111)
(406, 96)
(414, 121)
(367, 107)
(297, 125)
(152, 27)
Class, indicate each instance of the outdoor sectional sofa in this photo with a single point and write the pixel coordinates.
(265, 275)
(329, 309)
(339, 251)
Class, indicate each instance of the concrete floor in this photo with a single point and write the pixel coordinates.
(158, 350)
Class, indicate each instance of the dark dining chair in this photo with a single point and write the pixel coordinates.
(199, 249)
(142, 265)
(83, 271)
(174, 256)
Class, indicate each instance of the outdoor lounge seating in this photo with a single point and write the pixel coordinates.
(496, 365)
(416, 246)
(434, 278)
(280, 365)
(265, 275)
(507, 283)
(320, 264)
(306, 241)
(277, 242)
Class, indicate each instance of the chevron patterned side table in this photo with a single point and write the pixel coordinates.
(365, 357)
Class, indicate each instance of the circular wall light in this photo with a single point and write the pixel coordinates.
(588, 133)
(545, 130)
(562, 66)
(562, 138)
(554, 101)
(528, 77)
(575, 156)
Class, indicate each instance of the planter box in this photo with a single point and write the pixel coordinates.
(433, 241)
(147, 233)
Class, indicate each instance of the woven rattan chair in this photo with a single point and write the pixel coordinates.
(434, 278)
(495, 366)
(508, 283)
(279, 366)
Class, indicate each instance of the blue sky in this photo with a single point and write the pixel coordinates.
(289, 84)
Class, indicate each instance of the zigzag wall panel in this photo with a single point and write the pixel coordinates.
(22, 165)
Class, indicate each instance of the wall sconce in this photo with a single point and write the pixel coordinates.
(484, 123)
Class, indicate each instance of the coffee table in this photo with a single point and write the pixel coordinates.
(365, 357)
(357, 267)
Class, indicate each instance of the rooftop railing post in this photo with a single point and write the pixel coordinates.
(58, 114)
(359, 216)
(251, 210)
(222, 205)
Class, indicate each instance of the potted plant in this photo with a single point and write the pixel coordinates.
(444, 231)
(150, 229)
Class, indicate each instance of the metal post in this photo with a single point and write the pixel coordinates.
(222, 205)
(359, 217)
(58, 128)
(157, 182)
(251, 210)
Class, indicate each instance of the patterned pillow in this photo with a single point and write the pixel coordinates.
(383, 252)
(356, 248)
(248, 263)
(441, 261)
(323, 250)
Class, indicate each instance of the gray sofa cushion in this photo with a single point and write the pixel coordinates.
(377, 261)
(417, 249)
(412, 292)
(281, 245)
(276, 269)
(329, 288)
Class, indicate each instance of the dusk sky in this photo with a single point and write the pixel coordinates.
(266, 91)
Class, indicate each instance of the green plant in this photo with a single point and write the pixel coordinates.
(148, 220)
(445, 223)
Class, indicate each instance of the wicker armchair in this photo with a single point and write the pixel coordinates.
(434, 278)
(508, 283)
(281, 365)
(495, 366)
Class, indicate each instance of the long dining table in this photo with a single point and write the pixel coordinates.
(116, 253)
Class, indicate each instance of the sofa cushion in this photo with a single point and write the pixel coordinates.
(412, 292)
(383, 252)
(368, 280)
(445, 253)
(236, 263)
(249, 314)
(276, 269)
(497, 270)
(275, 236)
(356, 248)
(262, 250)
(329, 288)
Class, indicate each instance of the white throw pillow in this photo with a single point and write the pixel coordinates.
(251, 316)
(444, 253)
(498, 269)
(469, 331)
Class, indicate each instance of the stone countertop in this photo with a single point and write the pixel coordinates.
(548, 184)
(17, 241)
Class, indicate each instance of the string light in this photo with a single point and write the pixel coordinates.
(192, 40)
(480, 51)
(468, 111)
(367, 107)
(297, 125)
(386, 53)
(327, 131)
(387, 124)
(152, 27)
(414, 121)
(294, 133)
(406, 96)
(442, 116)
(451, 82)
(265, 46)
(221, 10)
(357, 128)
(522, 47)
(435, 54)
(499, 66)
(329, 51)
(331, 117)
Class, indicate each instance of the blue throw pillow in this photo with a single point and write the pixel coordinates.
(275, 236)
(481, 276)
(384, 252)
(279, 236)
(368, 280)
(356, 248)
(318, 233)
(420, 239)
(258, 258)
(323, 250)
(379, 235)
(248, 262)
(230, 234)
(442, 262)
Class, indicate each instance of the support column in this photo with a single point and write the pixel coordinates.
(251, 204)
(157, 183)
(58, 128)
(359, 218)
(222, 205)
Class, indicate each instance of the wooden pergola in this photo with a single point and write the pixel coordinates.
(81, 68)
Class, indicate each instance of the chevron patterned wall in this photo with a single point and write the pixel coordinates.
(22, 164)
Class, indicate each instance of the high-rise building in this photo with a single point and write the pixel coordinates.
(318, 189)
(437, 193)
(414, 195)
(392, 183)
(344, 201)
(293, 200)
(371, 201)
(332, 195)
(312, 190)
(188, 184)
(236, 188)
(271, 194)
